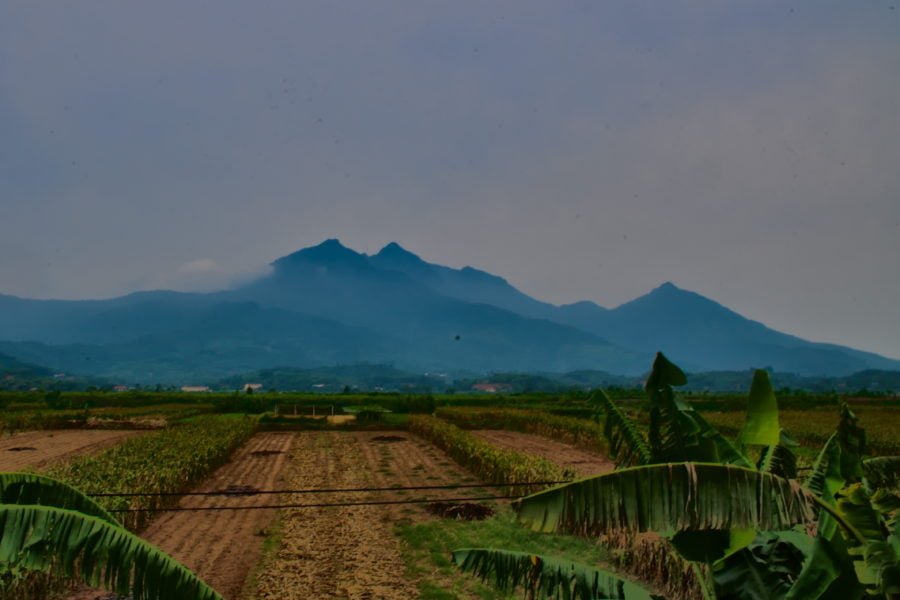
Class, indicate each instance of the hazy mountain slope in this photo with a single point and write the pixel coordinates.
(222, 339)
(698, 332)
(329, 305)
(324, 305)
(439, 331)
(469, 284)
(704, 335)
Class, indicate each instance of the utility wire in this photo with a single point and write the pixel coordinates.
(250, 492)
(322, 505)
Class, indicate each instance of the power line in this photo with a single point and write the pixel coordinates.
(237, 492)
(321, 505)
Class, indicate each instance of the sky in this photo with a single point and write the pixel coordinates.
(748, 151)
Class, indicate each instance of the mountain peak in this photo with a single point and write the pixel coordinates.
(668, 286)
(329, 252)
(396, 252)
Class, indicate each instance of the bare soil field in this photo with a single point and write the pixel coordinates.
(223, 546)
(351, 552)
(37, 449)
(584, 462)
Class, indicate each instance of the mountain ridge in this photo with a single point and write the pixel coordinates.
(328, 302)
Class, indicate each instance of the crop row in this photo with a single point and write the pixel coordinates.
(495, 465)
(167, 461)
(814, 427)
(585, 433)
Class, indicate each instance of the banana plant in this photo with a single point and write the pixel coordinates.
(46, 524)
(744, 522)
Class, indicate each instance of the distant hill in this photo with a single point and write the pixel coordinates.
(328, 305)
(365, 377)
(17, 375)
(374, 377)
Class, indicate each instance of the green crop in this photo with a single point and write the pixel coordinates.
(492, 464)
(167, 461)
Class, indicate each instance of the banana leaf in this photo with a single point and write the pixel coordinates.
(664, 373)
(547, 577)
(669, 498)
(627, 446)
(825, 479)
(766, 568)
(761, 427)
(779, 459)
(29, 488)
(883, 472)
(98, 552)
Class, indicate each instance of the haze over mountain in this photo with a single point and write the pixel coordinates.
(329, 305)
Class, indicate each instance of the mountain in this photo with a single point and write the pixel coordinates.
(699, 333)
(18, 375)
(703, 335)
(328, 305)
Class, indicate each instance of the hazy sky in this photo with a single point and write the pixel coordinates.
(749, 151)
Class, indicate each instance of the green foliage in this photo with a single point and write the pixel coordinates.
(669, 497)
(761, 427)
(46, 525)
(626, 444)
(579, 432)
(678, 432)
(29, 488)
(747, 524)
(883, 472)
(167, 461)
(545, 577)
(492, 464)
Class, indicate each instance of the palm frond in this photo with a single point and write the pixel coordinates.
(626, 444)
(546, 577)
(95, 550)
(670, 497)
(29, 488)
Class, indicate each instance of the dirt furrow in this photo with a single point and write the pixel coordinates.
(350, 552)
(584, 462)
(223, 546)
(38, 449)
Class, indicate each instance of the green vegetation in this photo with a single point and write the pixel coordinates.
(428, 546)
(47, 526)
(579, 432)
(732, 511)
(167, 461)
(483, 459)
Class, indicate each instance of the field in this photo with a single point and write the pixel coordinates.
(378, 541)
(36, 449)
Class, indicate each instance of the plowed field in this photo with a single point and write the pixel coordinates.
(223, 546)
(351, 552)
(37, 449)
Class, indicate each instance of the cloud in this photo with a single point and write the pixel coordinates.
(200, 266)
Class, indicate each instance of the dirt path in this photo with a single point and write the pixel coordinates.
(223, 546)
(350, 552)
(584, 462)
(37, 449)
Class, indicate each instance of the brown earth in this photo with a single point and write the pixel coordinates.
(350, 552)
(583, 462)
(37, 449)
(223, 546)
